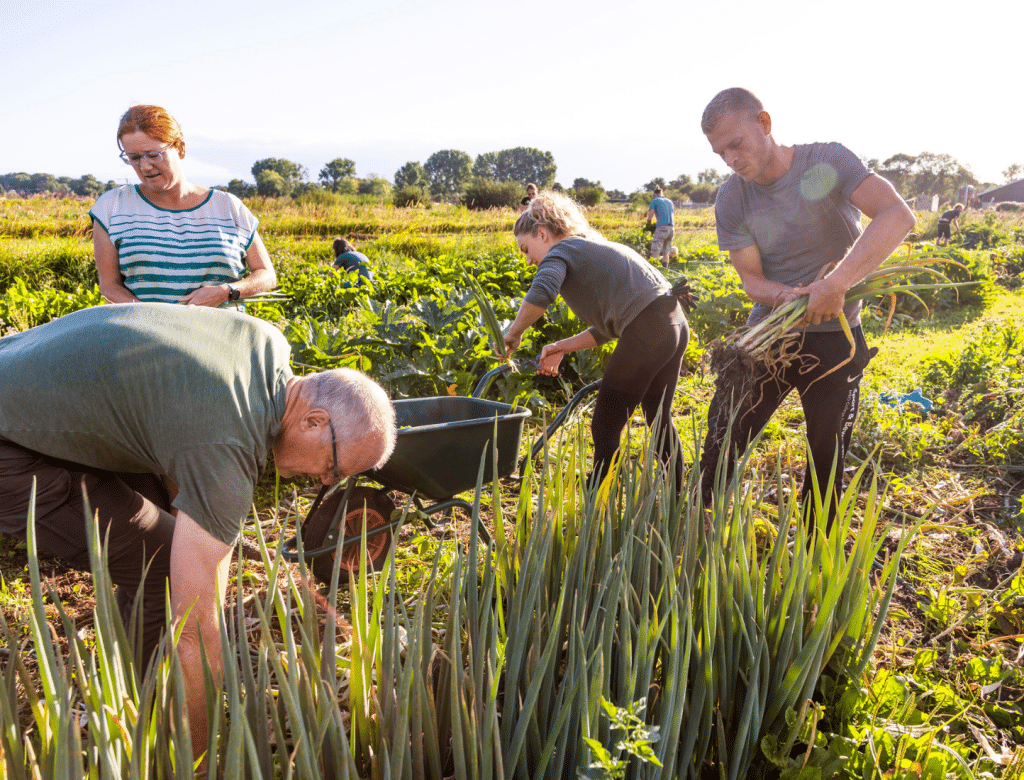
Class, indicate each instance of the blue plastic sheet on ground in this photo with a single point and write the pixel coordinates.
(901, 401)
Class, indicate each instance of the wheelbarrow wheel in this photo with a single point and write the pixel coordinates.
(378, 510)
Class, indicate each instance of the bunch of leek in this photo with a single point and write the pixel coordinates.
(771, 340)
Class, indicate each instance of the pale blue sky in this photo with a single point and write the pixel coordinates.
(613, 89)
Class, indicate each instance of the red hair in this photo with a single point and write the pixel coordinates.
(155, 122)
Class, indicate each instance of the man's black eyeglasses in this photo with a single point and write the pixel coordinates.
(334, 449)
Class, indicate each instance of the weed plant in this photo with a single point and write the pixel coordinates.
(60, 263)
(44, 217)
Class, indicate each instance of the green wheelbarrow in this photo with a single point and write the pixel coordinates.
(437, 455)
(439, 444)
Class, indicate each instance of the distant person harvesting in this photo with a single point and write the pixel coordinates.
(620, 296)
(950, 218)
(531, 193)
(353, 265)
(790, 218)
(662, 212)
(165, 239)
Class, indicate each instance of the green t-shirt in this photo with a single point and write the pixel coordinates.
(190, 392)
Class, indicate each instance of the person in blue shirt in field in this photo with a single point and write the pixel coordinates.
(351, 264)
(662, 210)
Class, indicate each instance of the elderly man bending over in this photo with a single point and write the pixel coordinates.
(163, 416)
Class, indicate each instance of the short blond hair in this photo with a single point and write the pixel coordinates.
(558, 214)
(732, 100)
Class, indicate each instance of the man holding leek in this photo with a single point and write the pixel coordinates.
(790, 218)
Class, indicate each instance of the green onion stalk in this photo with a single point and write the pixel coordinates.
(490, 320)
(888, 280)
(771, 340)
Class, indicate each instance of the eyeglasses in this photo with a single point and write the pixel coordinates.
(334, 449)
(129, 158)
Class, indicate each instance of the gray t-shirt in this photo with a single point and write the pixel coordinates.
(605, 284)
(800, 224)
(193, 393)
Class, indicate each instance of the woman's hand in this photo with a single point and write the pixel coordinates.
(210, 295)
(525, 317)
(512, 342)
(550, 359)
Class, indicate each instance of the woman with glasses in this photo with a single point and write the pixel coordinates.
(166, 239)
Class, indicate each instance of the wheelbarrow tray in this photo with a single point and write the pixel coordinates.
(440, 441)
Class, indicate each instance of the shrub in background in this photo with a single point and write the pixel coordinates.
(484, 194)
(240, 189)
(410, 195)
(271, 184)
(375, 185)
(312, 195)
(348, 187)
(590, 196)
(703, 193)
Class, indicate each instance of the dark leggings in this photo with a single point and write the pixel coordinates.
(642, 371)
(132, 508)
(830, 406)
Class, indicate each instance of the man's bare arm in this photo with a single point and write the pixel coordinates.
(747, 262)
(199, 574)
(891, 220)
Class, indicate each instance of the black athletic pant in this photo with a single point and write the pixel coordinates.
(830, 409)
(642, 371)
(132, 507)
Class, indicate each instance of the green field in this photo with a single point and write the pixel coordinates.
(747, 656)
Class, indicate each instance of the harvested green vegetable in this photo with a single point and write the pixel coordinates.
(489, 318)
(771, 340)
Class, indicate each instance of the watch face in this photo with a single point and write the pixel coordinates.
(233, 293)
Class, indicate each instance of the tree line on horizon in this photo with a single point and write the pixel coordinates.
(498, 178)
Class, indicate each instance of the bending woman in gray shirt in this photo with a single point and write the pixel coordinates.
(620, 296)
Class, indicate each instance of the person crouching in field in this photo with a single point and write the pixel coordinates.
(352, 264)
(620, 296)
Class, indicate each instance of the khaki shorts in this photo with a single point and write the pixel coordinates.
(661, 244)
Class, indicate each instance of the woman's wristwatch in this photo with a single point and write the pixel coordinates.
(233, 293)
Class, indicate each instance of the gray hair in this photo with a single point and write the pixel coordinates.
(362, 413)
(732, 100)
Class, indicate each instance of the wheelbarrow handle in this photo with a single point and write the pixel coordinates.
(291, 546)
(557, 422)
